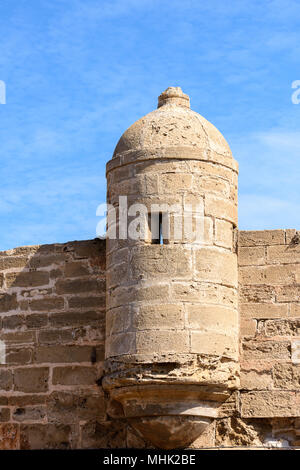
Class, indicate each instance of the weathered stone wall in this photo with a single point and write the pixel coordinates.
(52, 309)
(269, 276)
(52, 313)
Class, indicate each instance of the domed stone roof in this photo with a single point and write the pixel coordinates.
(173, 124)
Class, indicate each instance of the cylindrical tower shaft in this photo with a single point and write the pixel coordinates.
(172, 312)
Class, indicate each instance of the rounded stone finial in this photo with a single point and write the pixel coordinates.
(174, 95)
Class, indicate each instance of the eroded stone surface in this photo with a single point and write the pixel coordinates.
(170, 432)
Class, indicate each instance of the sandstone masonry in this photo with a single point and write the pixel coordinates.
(134, 344)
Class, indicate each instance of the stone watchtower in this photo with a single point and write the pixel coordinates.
(172, 311)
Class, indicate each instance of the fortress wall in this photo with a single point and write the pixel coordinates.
(52, 314)
(269, 277)
(52, 319)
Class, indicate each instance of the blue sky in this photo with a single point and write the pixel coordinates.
(79, 72)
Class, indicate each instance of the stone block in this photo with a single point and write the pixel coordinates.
(286, 376)
(13, 322)
(38, 261)
(57, 336)
(236, 433)
(18, 338)
(282, 327)
(221, 208)
(74, 375)
(8, 302)
(251, 255)
(74, 318)
(256, 294)
(295, 310)
(61, 354)
(36, 321)
(159, 261)
(122, 173)
(92, 249)
(46, 304)
(172, 183)
(209, 168)
(18, 356)
(166, 316)
(210, 184)
(76, 286)
(10, 262)
(263, 310)
(223, 234)
(120, 344)
(76, 269)
(151, 184)
(80, 302)
(289, 293)
(6, 380)
(118, 320)
(56, 273)
(103, 435)
(29, 413)
(72, 407)
(273, 275)
(212, 318)
(285, 254)
(45, 436)
(265, 350)
(261, 237)
(162, 342)
(217, 266)
(117, 275)
(269, 404)
(24, 400)
(27, 279)
(204, 292)
(118, 256)
(139, 293)
(215, 344)
(31, 379)
(9, 436)
(4, 415)
(253, 380)
(247, 327)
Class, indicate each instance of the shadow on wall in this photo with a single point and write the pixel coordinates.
(52, 310)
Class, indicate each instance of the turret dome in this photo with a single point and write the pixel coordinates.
(172, 124)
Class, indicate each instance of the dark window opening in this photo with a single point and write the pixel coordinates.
(157, 230)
